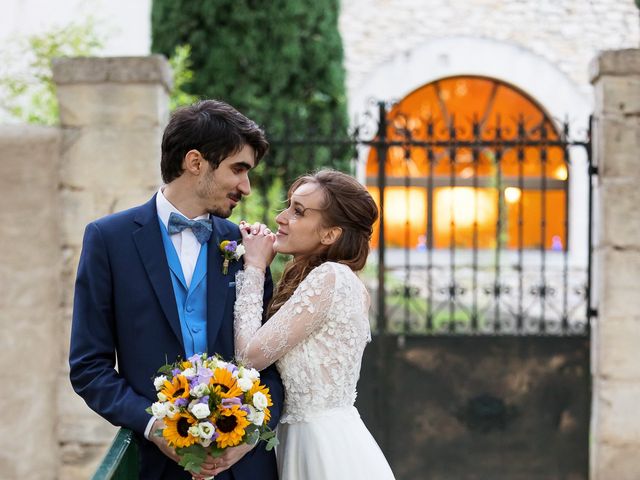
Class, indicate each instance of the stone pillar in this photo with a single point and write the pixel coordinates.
(29, 300)
(112, 113)
(615, 424)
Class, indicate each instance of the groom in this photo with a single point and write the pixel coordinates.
(151, 288)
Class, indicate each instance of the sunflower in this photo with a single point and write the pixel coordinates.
(185, 364)
(257, 387)
(178, 387)
(230, 425)
(223, 384)
(176, 431)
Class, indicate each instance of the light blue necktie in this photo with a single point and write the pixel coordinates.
(201, 228)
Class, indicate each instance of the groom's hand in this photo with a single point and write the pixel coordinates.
(160, 442)
(230, 457)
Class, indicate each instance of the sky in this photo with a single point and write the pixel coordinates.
(125, 22)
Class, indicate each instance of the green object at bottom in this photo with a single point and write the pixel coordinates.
(121, 461)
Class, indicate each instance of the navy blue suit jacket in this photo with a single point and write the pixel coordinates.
(124, 309)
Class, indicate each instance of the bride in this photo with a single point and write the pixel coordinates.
(318, 326)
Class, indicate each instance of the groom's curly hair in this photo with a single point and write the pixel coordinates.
(348, 205)
(215, 129)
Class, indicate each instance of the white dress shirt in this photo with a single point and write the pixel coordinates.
(186, 245)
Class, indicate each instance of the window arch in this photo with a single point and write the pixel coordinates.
(476, 164)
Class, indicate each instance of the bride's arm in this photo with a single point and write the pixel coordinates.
(260, 345)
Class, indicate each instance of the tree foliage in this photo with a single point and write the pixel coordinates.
(27, 91)
(279, 62)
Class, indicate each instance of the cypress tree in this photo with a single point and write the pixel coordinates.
(279, 62)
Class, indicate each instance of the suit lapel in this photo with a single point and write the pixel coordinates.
(148, 240)
(217, 283)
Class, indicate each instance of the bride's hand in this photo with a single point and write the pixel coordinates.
(258, 243)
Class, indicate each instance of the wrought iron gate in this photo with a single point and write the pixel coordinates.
(481, 331)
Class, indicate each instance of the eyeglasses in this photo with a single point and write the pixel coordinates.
(295, 212)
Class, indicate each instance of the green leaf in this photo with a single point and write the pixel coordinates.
(252, 437)
(192, 457)
(272, 443)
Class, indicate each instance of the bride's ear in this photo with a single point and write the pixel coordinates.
(330, 235)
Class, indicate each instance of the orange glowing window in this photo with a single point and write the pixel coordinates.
(472, 162)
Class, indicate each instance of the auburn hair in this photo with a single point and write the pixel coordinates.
(348, 205)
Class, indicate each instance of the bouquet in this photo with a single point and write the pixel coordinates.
(208, 405)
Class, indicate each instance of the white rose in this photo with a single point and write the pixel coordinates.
(159, 410)
(205, 442)
(194, 431)
(255, 417)
(253, 374)
(200, 411)
(245, 384)
(189, 373)
(260, 400)
(239, 251)
(171, 410)
(206, 430)
(199, 390)
(158, 382)
(162, 397)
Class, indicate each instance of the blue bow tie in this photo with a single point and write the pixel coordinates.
(201, 228)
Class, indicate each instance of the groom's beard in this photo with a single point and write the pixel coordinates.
(223, 212)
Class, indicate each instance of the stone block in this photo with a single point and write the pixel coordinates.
(617, 143)
(134, 105)
(153, 69)
(617, 96)
(112, 159)
(616, 351)
(618, 282)
(624, 62)
(65, 328)
(613, 461)
(80, 461)
(615, 419)
(618, 200)
(28, 344)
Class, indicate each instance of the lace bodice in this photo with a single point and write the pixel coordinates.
(316, 338)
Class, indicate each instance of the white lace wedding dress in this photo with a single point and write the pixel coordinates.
(316, 339)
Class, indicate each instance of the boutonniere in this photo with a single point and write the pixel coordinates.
(231, 251)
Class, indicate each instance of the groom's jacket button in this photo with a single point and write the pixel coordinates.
(195, 329)
(189, 309)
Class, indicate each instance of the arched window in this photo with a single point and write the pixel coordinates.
(474, 165)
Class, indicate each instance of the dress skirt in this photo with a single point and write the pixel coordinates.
(333, 445)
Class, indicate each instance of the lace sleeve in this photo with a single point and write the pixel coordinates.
(260, 345)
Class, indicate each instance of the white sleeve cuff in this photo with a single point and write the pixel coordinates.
(147, 430)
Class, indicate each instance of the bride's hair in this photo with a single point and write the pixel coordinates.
(348, 205)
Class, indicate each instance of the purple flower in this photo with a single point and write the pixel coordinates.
(204, 375)
(229, 402)
(204, 399)
(246, 409)
(231, 246)
(181, 402)
(196, 359)
(176, 371)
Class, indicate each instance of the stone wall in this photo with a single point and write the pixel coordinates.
(567, 33)
(29, 300)
(54, 181)
(615, 422)
(112, 114)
